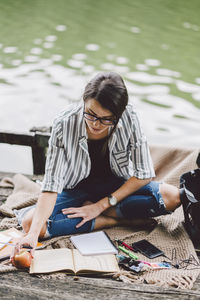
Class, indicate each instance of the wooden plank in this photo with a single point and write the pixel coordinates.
(27, 286)
(37, 141)
(25, 138)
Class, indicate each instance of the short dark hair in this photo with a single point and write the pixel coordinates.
(109, 90)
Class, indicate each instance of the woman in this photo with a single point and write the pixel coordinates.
(98, 169)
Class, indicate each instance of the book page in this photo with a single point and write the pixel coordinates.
(106, 263)
(46, 261)
(13, 235)
(4, 239)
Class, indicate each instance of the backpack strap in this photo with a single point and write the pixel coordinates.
(198, 160)
(187, 200)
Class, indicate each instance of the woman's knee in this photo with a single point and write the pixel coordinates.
(170, 195)
(27, 220)
(26, 224)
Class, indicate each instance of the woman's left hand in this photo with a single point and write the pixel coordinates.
(87, 212)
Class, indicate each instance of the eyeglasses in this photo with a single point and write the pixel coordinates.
(104, 121)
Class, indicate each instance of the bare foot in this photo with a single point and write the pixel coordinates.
(106, 222)
(141, 223)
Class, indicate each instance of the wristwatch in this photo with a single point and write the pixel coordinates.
(112, 200)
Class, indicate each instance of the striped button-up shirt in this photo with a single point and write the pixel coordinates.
(68, 161)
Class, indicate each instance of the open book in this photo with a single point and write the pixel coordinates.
(70, 260)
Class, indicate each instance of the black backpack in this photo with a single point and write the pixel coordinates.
(190, 198)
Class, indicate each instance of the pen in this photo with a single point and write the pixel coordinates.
(145, 262)
(125, 245)
(133, 256)
(9, 244)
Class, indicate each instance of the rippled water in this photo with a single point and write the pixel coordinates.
(50, 49)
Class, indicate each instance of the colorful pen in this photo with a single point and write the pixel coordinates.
(9, 244)
(125, 245)
(133, 256)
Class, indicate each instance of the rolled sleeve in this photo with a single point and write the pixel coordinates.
(55, 162)
(140, 153)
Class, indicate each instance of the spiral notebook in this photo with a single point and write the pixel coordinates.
(94, 243)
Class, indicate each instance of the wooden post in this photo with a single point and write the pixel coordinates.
(39, 152)
(39, 159)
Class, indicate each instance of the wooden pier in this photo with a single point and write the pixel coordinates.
(37, 139)
(21, 285)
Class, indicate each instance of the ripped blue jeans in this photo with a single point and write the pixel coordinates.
(147, 202)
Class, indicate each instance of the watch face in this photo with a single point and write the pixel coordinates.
(112, 200)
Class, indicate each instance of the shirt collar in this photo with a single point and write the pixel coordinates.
(82, 126)
(119, 124)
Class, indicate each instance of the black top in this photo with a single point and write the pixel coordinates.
(100, 165)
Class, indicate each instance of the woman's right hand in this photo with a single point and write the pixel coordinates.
(27, 240)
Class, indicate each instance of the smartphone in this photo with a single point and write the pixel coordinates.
(147, 249)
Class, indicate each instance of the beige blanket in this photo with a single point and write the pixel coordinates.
(169, 234)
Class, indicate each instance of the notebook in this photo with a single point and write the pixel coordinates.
(94, 243)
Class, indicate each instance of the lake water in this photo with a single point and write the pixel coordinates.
(50, 49)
